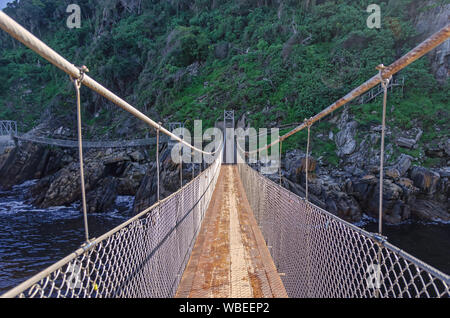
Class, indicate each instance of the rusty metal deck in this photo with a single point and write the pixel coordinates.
(230, 257)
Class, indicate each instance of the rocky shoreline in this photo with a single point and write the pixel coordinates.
(352, 189)
(349, 190)
(418, 193)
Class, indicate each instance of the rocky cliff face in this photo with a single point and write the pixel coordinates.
(352, 189)
(108, 174)
(428, 19)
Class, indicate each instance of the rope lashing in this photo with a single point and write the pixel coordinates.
(308, 123)
(157, 160)
(77, 83)
(384, 83)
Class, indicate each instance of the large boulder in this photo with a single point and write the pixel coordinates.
(409, 190)
(426, 180)
(366, 191)
(131, 179)
(400, 168)
(295, 165)
(406, 142)
(438, 149)
(64, 187)
(103, 197)
(343, 205)
(291, 162)
(300, 191)
(430, 210)
(345, 139)
(137, 155)
(312, 163)
(28, 161)
(403, 164)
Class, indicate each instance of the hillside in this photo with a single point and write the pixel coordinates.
(276, 62)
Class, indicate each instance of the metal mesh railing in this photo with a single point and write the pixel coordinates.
(324, 256)
(8, 128)
(143, 257)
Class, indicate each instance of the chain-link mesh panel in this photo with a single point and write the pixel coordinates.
(143, 257)
(324, 256)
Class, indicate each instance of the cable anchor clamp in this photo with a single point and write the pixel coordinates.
(88, 244)
(384, 80)
(308, 122)
(77, 81)
(379, 238)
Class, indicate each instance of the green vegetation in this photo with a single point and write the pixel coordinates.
(185, 60)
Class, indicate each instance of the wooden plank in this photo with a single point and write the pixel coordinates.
(230, 258)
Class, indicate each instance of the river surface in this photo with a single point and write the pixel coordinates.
(428, 241)
(32, 239)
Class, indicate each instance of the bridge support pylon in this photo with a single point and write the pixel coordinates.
(229, 154)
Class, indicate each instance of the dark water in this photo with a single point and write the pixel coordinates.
(428, 241)
(32, 239)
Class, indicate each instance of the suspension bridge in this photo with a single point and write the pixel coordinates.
(232, 232)
(8, 133)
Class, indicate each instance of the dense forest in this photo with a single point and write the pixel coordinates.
(277, 61)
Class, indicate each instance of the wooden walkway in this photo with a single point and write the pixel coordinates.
(230, 257)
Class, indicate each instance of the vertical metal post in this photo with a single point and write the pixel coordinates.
(229, 142)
